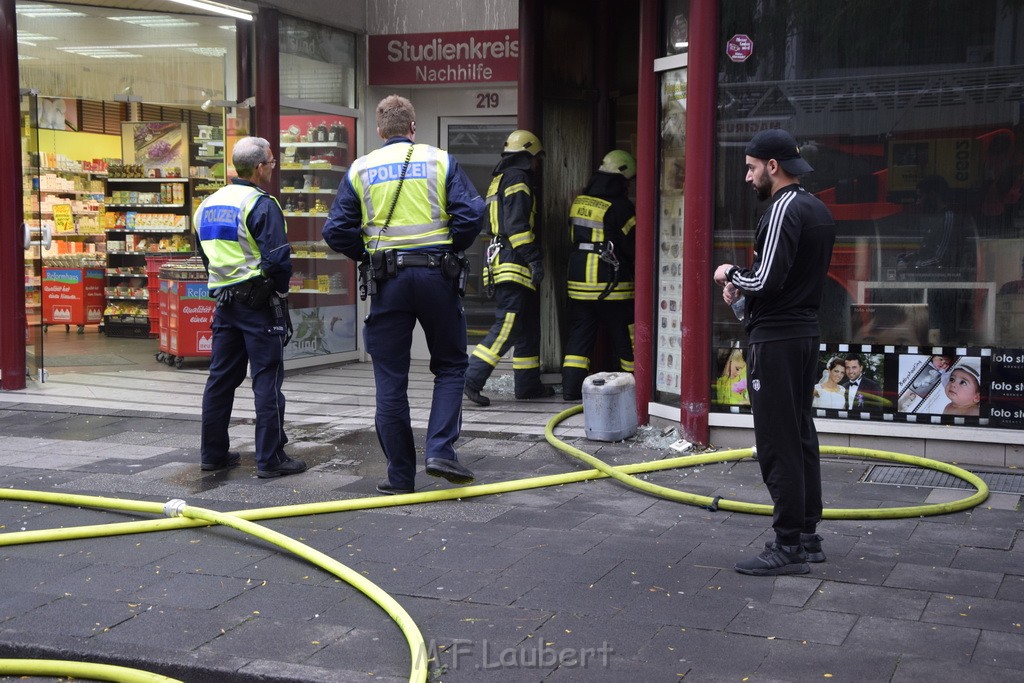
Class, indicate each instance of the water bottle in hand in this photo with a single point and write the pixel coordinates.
(739, 307)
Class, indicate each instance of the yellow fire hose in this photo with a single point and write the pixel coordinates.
(179, 515)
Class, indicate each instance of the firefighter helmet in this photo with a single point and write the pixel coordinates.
(619, 161)
(522, 141)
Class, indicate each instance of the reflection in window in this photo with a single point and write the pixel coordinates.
(317, 63)
(917, 149)
(677, 26)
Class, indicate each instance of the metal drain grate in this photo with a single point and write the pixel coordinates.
(998, 482)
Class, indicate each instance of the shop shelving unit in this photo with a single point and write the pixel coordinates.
(71, 203)
(146, 217)
(310, 174)
(207, 163)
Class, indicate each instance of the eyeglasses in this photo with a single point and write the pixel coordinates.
(272, 162)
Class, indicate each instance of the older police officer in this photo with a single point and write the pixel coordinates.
(242, 242)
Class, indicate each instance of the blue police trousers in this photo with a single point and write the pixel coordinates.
(424, 295)
(242, 336)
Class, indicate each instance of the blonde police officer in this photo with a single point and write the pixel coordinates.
(407, 211)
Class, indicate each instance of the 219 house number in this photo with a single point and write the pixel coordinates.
(486, 100)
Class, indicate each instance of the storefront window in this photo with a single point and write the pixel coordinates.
(318, 132)
(918, 151)
(675, 19)
(108, 53)
(125, 137)
(669, 280)
(316, 149)
(318, 63)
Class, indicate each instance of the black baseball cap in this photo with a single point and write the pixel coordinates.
(777, 144)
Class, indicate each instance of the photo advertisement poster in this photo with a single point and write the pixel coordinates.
(969, 386)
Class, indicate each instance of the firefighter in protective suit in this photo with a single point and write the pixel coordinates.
(513, 272)
(600, 275)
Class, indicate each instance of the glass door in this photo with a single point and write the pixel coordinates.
(476, 143)
(317, 147)
(35, 236)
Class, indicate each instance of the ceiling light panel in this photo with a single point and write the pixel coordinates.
(46, 12)
(27, 38)
(101, 52)
(156, 21)
(217, 8)
(206, 51)
(143, 46)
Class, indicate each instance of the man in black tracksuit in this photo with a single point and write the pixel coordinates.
(782, 290)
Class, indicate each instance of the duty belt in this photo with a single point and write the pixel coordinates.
(418, 260)
(591, 246)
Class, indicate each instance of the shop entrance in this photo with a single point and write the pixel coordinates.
(34, 239)
(476, 142)
(119, 136)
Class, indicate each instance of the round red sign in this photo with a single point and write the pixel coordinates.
(739, 48)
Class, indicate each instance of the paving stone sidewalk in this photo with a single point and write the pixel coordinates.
(591, 581)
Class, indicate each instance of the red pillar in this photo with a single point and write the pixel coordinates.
(646, 203)
(528, 104)
(268, 90)
(698, 220)
(12, 255)
(244, 54)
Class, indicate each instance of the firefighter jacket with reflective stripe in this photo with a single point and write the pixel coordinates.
(228, 245)
(601, 225)
(511, 210)
(419, 218)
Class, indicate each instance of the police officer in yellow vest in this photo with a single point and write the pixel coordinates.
(241, 238)
(407, 212)
(600, 275)
(513, 271)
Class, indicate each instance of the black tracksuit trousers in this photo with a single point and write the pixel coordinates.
(780, 380)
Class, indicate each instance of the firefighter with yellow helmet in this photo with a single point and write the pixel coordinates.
(513, 272)
(600, 274)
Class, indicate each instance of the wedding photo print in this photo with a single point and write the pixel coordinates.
(851, 381)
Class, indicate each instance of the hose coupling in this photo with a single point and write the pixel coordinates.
(174, 508)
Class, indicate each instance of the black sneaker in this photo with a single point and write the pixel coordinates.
(543, 391)
(775, 560)
(476, 397)
(384, 486)
(285, 466)
(232, 460)
(812, 546)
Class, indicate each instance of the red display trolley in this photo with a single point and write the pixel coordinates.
(186, 312)
(73, 294)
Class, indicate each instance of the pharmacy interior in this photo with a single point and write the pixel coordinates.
(917, 146)
(127, 123)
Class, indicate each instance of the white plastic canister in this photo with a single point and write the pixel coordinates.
(609, 406)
